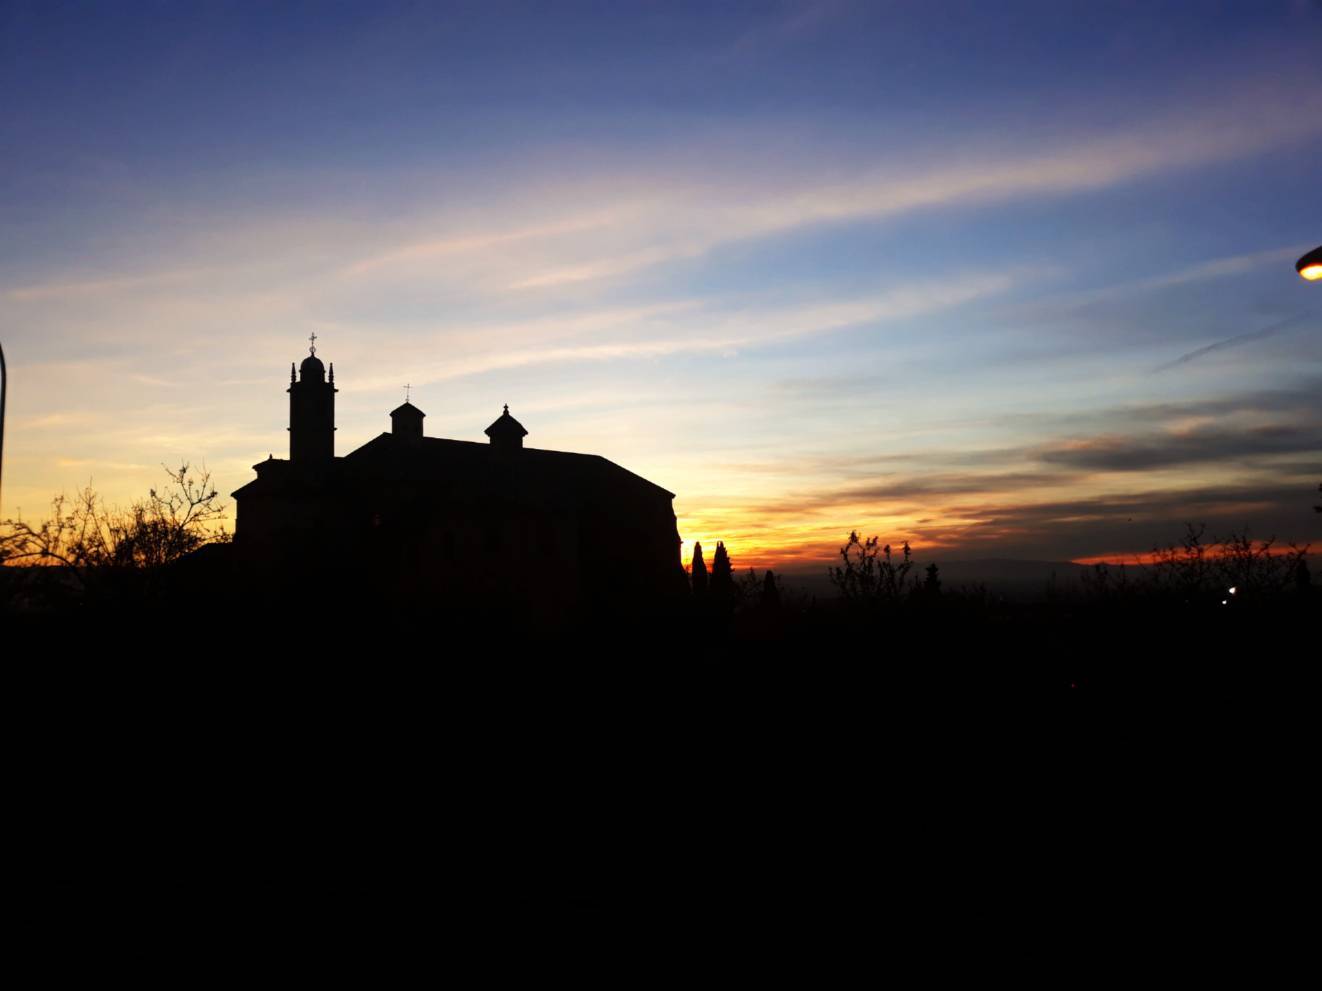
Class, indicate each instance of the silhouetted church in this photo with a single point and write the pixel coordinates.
(424, 520)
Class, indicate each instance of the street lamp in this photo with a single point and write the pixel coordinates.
(1310, 266)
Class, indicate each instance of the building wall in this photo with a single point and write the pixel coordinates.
(403, 546)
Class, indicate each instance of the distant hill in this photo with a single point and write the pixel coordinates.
(1011, 577)
(1010, 570)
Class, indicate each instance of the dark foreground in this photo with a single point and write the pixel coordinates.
(241, 739)
(680, 758)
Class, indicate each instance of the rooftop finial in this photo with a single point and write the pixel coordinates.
(312, 344)
(507, 409)
(406, 391)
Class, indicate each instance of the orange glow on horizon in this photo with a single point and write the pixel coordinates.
(1116, 560)
(1152, 557)
(804, 546)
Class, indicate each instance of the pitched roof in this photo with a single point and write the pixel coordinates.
(471, 465)
(466, 470)
(505, 426)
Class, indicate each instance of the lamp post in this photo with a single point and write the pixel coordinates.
(4, 394)
(1310, 266)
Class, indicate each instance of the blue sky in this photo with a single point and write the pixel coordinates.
(1010, 280)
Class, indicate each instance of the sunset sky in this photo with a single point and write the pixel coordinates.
(1004, 279)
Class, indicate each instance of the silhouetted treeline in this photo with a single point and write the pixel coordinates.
(1207, 603)
(156, 572)
(1230, 576)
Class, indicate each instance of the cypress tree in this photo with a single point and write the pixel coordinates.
(722, 575)
(699, 570)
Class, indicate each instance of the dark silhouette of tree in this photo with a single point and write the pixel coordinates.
(932, 583)
(1108, 583)
(1254, 569)
(699, 573)
(94, 544)
(748, 589)
(722, 576)
(770, 591)
(1183, 569)
(1303, 579)
(869, 573)
(1206, 570)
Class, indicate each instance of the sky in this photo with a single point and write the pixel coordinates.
(1004, 280)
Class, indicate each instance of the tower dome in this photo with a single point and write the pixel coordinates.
(312, 370)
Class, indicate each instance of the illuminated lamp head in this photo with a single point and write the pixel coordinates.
(1310, 266)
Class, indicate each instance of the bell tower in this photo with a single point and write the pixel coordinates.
(312, 411)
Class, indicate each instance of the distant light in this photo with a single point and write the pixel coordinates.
(1224, 602)
(1310, 266)
(1232, 589)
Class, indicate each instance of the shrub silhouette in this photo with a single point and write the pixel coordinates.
(869, 573)
(932, 583)
(94, 546)
(1198, 569)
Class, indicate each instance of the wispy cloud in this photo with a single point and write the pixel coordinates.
(1206, 271)
(686, 329)
(643, 218)
(427, 253)
(1212, 444)
(90, 287)
(1236, 341)
(679, 221)
(1215, 268)
(604, 268)
(1003, 524)
(1234, 461)
(800, 20)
